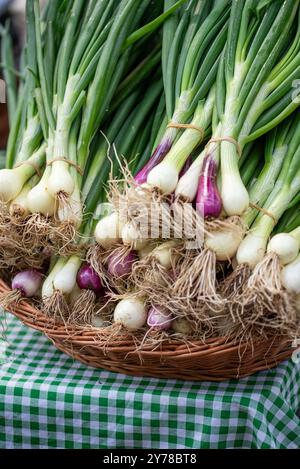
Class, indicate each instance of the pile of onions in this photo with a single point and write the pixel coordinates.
(119, 137)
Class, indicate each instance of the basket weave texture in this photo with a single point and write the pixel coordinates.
(219, 359)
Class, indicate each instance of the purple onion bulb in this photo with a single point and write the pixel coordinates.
(28, 282)
(121, 266)
(208, 200)
(88, 279)
(161, 151)
(159, 319)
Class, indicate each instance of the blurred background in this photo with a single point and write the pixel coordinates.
(12, 11)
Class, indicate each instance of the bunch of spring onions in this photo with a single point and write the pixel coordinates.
(250, 100)
(73, 287)
(199, 32)
(252, 94)
(152, 182)
(62, 80)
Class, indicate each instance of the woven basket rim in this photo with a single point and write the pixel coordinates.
(75, 331)
(219, 358)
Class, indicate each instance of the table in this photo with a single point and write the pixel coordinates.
(49, 401)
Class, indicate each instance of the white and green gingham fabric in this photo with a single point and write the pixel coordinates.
(49, 401)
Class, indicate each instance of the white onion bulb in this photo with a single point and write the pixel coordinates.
(60, 179)
(131, 313)
(19, 205)
(251, 250)
(235, 196)
(107, 232)
(164, 176)
(188, 183)
(285, 246)
(224, 243)
(48, 287)
(11, 183)
(39, 200)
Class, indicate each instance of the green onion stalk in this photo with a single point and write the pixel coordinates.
(108, 231)
(267, 297)
(116, 53)
(60, 290)
(284, 190)
(134, 109)
(29, 160)
(254, 91)
(27, 122)
(200, 34)
(62, 98)
(251, 168)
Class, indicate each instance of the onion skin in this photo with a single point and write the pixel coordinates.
(121, 266)
(28, 282)
(158, 319)
(252, 249)
(161, 151)
(285, 246)
(208, 200)
(88, 279)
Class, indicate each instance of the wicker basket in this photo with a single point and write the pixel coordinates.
(217, 360)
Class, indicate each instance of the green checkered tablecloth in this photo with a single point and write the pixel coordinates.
(49, 401)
